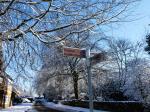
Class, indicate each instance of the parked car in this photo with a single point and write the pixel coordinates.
(25, 100)
(39, 101)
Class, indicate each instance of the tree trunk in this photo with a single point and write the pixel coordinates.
(1, 59)
(2, 73)
(75, 84)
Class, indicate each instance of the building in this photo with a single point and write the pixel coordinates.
(7, 91)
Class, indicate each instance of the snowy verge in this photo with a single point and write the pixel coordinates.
(18, 108)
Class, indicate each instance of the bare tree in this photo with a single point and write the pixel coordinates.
(25, 24)
(132, 67)
(21, 18)
(71, 66)
(121, 53)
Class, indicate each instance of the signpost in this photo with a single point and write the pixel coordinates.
(76, 52)
(90, 90)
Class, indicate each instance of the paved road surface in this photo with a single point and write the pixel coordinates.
(48, 107)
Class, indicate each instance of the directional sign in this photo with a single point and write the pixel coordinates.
(76, 52)
(99, 57)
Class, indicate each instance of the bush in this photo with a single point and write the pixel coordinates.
(113, 106)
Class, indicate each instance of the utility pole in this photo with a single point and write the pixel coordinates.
(90, 91)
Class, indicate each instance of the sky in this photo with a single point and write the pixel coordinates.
(134, 30)
(137, 29)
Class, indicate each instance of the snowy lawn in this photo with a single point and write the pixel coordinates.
(66, 108)
(18, 108)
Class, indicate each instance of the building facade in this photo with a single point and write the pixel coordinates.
(6, 91)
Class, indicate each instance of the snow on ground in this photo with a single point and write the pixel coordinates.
(66, 108)
(27, 107)
(18, 108)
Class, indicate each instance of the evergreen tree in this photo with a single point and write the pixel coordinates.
(147, 48)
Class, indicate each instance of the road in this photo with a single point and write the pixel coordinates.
(49, 107)
(42, 108)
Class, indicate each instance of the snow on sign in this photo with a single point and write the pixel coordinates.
(76, 52)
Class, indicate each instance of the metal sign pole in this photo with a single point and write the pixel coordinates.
(89, 80)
